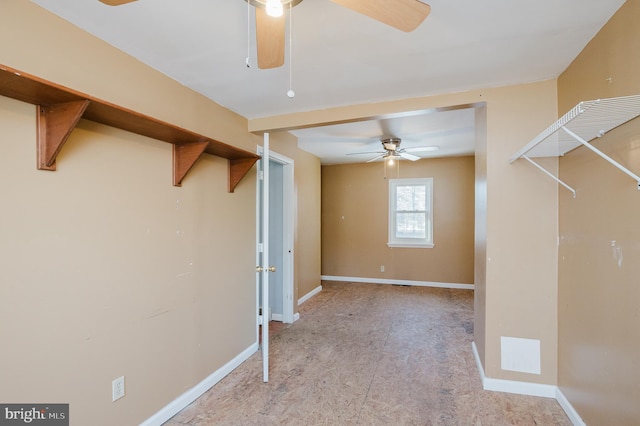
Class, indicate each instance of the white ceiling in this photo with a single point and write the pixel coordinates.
(342, 58)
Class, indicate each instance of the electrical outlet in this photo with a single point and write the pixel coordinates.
(381, 268)
(117, 388)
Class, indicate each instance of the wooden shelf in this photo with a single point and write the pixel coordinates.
(60, 109)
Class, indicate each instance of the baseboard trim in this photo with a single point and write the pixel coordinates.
(521, 388)
(476, 356)
(175, 406)
(309, 295)
(526, 388)
(568, 408)
(398, 282)
(512, 386)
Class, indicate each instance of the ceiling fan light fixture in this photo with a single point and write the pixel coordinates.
(391, 157)
(274, 8)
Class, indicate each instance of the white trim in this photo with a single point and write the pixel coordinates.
(175, 406)
(526, 388)
(309, 295)
(476, 356)
(296, 316)
(568, 408)
(512, 386)
(409, 245)
(398, 282)
(520, 388)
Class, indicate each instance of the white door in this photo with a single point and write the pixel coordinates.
(275, 216)
(262, 253)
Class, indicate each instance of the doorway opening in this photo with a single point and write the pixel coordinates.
(281, 216)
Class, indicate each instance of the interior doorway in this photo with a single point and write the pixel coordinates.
(280, 241)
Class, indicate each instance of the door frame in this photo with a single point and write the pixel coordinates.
(287, 236)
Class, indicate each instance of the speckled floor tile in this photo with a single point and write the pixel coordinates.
(366, 354)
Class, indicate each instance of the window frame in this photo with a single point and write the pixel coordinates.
(428, 241)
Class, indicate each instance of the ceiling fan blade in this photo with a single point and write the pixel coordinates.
(116, 2)
(404, 15)
(269, 39)
(367, 152)
(422, 148)
(376, 158)
(409, 156)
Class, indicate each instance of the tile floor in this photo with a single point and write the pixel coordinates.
(367, 354)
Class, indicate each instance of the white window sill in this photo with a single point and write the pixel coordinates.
(409, 245)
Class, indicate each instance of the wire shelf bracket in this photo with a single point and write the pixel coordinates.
(585, 122)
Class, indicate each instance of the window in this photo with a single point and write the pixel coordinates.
(410, 212)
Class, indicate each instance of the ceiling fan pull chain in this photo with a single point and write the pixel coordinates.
(291, 93)
(247, 60)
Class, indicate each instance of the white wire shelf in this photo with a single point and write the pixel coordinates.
(585, 122)
(588, 119)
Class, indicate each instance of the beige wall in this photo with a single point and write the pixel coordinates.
(355, 210)
(107, 269)
(518, 292)
(599, 265)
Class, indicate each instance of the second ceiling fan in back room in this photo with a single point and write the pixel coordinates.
(392, 151)
(404, 15)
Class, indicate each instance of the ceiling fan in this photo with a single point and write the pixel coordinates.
(404, 15)
(392, 150)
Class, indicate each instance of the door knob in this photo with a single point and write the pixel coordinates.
(259, 269)
(270, 269)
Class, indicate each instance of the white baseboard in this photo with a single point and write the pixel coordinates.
(476, 356)
(296, 316)
(398, 282)
(309, 295)
(568, 408)
(175, 406)
(521, 388)
(526, 388)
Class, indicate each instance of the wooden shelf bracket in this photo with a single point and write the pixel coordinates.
(184, 157)
(238, 168)
(55, 123)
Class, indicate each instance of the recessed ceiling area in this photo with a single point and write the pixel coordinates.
(452, 130)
